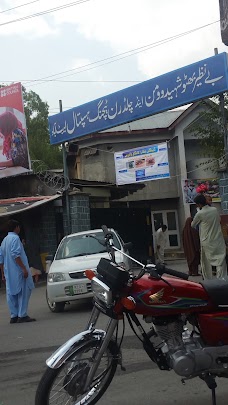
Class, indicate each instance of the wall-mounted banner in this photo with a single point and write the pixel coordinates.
(208, 187)
(14, 156)
(182, 86)
(142, 164)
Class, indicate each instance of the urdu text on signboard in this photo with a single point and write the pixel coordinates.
(142, 164)
(194, 82)
(14, 155)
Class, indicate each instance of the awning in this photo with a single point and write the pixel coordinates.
(16, 205)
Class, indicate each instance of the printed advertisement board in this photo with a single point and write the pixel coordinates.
(14, 155)
(209, 187)
(142, 164)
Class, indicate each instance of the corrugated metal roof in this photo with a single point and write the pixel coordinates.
(161, 120)
(18, 204)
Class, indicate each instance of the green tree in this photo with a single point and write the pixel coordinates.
(209, 128)
(36, 112)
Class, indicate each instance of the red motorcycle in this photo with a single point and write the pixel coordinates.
(80, 371)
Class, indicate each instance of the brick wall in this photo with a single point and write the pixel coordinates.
(48, 241)
(79, 213)
(39, 231)
(223, 185)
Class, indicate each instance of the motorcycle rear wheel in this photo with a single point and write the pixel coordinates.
(64, 386)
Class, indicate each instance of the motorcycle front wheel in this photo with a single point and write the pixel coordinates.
(64, 386)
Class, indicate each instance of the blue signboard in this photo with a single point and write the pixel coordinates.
(182, 86)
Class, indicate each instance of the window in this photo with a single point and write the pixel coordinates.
(82, 245)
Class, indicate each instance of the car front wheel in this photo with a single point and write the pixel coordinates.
(55, 306)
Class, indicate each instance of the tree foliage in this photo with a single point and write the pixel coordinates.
(36, 112)
(209, 128)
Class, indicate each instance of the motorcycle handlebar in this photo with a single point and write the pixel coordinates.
(165, 270)
(108, 234)
(105, 229)
(159, 268)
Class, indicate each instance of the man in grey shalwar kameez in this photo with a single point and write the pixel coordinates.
(213, 248)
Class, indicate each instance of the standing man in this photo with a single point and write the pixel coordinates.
(19, 283)
(1, 268)
(213, 248)
(161, 242)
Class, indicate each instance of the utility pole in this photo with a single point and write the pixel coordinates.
(223, 118)
(66, 179)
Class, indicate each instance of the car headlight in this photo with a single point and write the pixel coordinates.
(56, 277)
(101, 291)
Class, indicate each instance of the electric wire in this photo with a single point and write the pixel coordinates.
(59, 182)
(124, 55)
(52, 10)
(22, 5)
(117, 57)
(108, 60)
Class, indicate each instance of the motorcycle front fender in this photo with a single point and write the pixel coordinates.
(63, 353)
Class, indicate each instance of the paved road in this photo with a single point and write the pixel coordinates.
(24, 348)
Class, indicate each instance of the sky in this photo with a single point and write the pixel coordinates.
(75, 49)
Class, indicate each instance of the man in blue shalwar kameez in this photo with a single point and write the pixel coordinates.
(19, 282)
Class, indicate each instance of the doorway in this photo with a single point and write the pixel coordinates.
(169, 218)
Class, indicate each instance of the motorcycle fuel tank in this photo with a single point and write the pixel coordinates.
(172, 296)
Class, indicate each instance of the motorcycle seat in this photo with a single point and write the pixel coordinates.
(217, 289)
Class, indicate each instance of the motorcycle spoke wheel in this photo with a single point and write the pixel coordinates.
(64, 386)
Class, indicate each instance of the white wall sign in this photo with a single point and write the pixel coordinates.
(142, 164)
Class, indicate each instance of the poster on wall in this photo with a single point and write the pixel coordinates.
(14, 155)
(142, 164)
(209, 187)
(224, 20)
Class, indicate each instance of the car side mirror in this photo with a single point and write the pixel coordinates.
(128, 245)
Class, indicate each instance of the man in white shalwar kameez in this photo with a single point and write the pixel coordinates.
(213, 248)
(161, 242)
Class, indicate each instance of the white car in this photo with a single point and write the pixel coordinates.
(66, 280)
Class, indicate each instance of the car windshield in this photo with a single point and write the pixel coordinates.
(82, 245)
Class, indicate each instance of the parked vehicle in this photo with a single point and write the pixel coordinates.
(66, 280)
(81, 370)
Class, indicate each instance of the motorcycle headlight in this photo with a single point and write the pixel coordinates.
(56, 277)
(101, 291)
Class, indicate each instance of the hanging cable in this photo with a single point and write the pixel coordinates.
(22, 5)
(51, 10)
(111, 59)
(123, 55)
